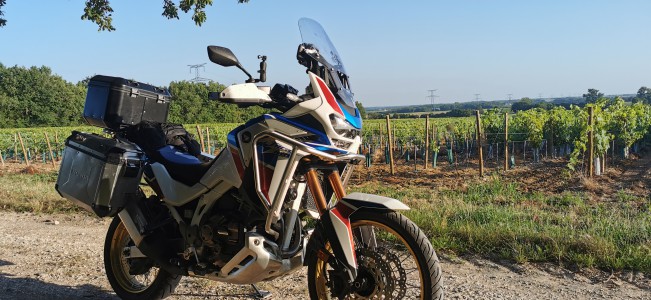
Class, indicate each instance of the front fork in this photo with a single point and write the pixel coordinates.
(335, 221)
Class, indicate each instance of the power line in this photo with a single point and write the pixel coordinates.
(196, 68)
(432, 96)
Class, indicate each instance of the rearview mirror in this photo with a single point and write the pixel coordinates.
(222, 56)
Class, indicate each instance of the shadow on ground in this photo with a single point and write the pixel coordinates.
(25, 288)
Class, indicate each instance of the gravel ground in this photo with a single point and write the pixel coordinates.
(60, 257)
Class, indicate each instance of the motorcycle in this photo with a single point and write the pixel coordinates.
(273, 201)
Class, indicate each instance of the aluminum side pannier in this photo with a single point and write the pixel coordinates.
(99, 174)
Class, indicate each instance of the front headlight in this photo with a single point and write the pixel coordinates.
(343, 127)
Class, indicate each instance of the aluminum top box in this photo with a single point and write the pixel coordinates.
(116, 103)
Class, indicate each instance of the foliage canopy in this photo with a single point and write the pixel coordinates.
(32, 97)
(100, 12)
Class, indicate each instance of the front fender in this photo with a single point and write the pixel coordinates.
(356, 201)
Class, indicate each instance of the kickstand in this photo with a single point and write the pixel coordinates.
(260, 294)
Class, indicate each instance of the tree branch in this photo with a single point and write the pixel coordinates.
(100, 13)
(3, 22)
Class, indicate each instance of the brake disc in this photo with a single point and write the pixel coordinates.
(398, 282)
(376, 266)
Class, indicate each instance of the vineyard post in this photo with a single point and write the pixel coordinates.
(426, 141)
(591, 141)
(381, 134)
(467, 145)
(56, 143)
(49, 148)
(16, 147)
(393, 172)
(481, 156)
(506, 141)
(201, 138)
(22, 145)
(209, 146)
(415, 156)
(435, 140)
(550, 145)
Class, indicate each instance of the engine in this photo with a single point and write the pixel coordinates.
(221, 238)
(221, 234)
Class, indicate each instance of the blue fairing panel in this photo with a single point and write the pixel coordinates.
(321, 137)
(327, 149)
(232, 136)
(174, 155)
(355, 120)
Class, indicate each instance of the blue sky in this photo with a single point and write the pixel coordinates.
(394, 50)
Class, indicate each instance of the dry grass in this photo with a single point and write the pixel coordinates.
(32, 192)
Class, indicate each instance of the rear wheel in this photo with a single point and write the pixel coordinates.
(395, 261)
(133, 278)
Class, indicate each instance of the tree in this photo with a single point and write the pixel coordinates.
(643, 95)
(190, 104)
(36, 97)
(360, 107)
(592, 96)
(524, 104)
(100, 12)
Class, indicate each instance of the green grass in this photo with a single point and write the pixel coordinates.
(494, 219)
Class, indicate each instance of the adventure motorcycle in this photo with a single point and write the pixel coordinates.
(270, 203)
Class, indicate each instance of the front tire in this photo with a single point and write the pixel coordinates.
(150, 283)
(397, 262)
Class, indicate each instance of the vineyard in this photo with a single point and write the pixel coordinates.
(35, 140)
(616, 128)
(613, 128)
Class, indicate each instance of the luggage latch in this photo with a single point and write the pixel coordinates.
(134, 93)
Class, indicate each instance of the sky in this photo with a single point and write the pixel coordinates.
(395, 51)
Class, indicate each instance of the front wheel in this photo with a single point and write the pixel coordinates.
(133, 278)
(395, 261)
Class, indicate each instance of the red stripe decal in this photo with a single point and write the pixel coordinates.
(344, 209)
(325, 91)
(238, 161)
(266, 174)
(346, 221)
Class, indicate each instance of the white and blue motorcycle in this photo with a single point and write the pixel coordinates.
(274, 201)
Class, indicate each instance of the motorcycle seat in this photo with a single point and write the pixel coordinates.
(181, 166)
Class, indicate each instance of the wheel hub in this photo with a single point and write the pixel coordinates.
(373, 279)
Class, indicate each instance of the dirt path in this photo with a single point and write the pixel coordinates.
(60, 257)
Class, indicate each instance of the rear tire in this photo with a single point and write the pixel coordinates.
(152, 283)
(390, 279)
